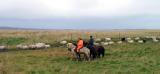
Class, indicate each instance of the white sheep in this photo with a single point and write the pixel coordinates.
(25, 47)
(3, 47)
(108, 39)
(140, 41)
(32, 46)
(22, 46)
(137, 38)
(111, 42)
(96, 44)
(47, 46)
(63, 42)
(19, 46)
(40, 45)
(105, 43)
(130, 41)
(98, 40)
(155, 40)
(119, 42)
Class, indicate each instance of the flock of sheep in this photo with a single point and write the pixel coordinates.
(111, 41)
(32, 46)
(98, 41)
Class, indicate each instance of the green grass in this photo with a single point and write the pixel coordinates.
(119, 59)
(12, 40)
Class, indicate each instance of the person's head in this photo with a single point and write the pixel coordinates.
(79, 38)
(91, 36)
(71, 41)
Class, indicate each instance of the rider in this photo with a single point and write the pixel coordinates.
(91, 46)
(91, 41)
(80, 44)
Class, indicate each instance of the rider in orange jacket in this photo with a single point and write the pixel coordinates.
(79, 44)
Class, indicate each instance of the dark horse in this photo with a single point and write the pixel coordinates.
(96, 50)
(100, 50)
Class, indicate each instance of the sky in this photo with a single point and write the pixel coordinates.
(80, 14)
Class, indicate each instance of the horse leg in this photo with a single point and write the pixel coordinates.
(78, 56)
(103, 53)
(90, 56)
(90, 51)
(87, 57)
(99, 55)
(93, 52)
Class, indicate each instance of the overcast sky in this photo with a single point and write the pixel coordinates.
(81, 14)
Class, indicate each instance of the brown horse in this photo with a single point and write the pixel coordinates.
(100, 50)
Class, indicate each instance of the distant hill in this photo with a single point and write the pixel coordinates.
(8, 28)
(14, 28)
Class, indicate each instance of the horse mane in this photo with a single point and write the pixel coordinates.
(74, 44)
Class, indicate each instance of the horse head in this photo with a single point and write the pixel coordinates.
(71, 46)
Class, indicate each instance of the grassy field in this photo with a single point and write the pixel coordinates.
(119, 58)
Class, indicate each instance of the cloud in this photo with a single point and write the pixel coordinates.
(76, 8)
(80, 14)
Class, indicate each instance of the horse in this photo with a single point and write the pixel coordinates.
(92, 51)
(100, 50)
(96, 50)
(71, 47)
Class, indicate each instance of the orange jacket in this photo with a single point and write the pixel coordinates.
(79, 45)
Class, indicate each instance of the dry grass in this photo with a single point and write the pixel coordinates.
(120, 59)
(50, 36)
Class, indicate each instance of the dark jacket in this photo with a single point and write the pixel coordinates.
(91, 42)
